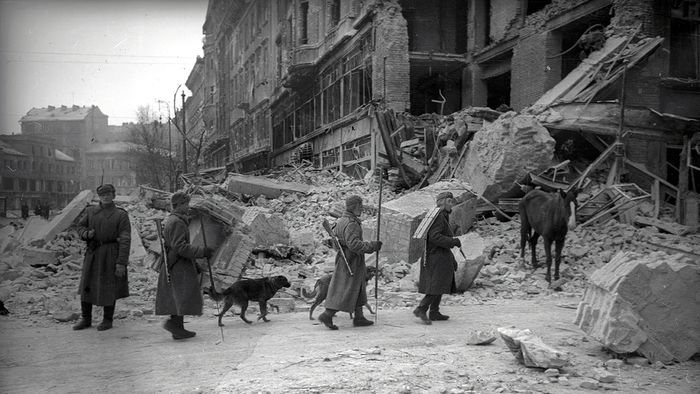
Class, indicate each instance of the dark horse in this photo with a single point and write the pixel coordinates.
(550, 215)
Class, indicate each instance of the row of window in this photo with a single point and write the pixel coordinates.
(26, 165)
(38, 185)
(109, 164)
(342, 88)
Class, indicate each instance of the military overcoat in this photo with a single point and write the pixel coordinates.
(345, 292)
(437, 275)
(182, 295)
(99, 284)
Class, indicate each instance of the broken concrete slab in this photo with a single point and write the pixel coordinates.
(530, 350)
(137, 253)
(266, 228)
(61, 221)
(401, 217)
(469, 264)
(31, 228)
(255, 185)
(304, 240)
(503, 152)
(218, 207)
(37, 257)
(230, 260)
(630, 301)
(478, 337)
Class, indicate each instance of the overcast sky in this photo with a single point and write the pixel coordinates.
(115, 54)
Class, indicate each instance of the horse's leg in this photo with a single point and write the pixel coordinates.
(524, 236)
(533, 246)
(558, 246)
(548, 253)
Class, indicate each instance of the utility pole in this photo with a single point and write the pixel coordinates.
(170, 145)
(184, 136)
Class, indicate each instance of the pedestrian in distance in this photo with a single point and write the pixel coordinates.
(178, 291)
(46, 210)
(37, 210)
(25, 210)
(104, 279)
(437, 271)
(347, 292)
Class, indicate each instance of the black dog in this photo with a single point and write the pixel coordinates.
(321, 290)
(260, 290)
(3, 310)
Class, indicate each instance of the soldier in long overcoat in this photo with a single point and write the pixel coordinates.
(437, 272)
(178, 291)
(347, 292)
(104, 279)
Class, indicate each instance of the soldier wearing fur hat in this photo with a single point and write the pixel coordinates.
(437, 270)
(179, 293)
(347, 292)
(104, 280)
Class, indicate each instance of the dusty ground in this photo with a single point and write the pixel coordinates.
(293, 354)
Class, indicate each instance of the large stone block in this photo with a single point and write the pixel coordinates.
(38, 257)
(503, 152)
(255, 185)
(61, 221)
(230, 260)
(266, 228)
(401, 217)
(218, 207)
(644, 303)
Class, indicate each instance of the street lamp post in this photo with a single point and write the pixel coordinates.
(170, 147)
(184, 136)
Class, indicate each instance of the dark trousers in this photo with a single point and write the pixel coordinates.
(359, 306)
(430, 301)
(86, 309)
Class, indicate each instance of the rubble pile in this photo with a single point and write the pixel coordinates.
(308, 256)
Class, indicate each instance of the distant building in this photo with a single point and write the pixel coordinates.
(35, 171)
(72, 128)
(111, 163)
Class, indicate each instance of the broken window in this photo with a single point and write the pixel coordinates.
(334, 13)
(536, 5)
(8, 183)
(685, 40)
(329, 158)
(436, 26)
(498, 88)
(304, 23)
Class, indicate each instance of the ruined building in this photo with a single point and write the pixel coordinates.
(283, 80)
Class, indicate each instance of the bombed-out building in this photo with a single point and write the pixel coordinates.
(297, 79)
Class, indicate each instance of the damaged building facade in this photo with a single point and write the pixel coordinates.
(289, 80)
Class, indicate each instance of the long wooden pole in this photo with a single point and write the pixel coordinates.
(211, 274)
(376, 262)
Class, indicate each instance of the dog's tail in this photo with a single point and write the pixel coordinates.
(307, 294)
(213, 294)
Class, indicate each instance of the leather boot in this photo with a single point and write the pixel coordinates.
(359, 319)
(86, 321)
(327, 319)
(420, 313)
(107, 318)
(189, 334)
(435, 314)
(175, 326)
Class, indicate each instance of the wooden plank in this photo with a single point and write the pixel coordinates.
(593, 165)
(422, 229)
(612, 44)
(673, 228)
(642, 168)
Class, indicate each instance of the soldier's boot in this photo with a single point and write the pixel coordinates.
(327, 318)
(107, 319)
(359, 319)
(435, 314)
(86, 320)
(189, 334)
(175, 326)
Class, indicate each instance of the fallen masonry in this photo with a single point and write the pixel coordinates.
(644, 304)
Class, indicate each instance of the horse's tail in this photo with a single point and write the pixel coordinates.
(525, 228)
